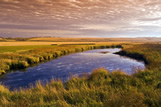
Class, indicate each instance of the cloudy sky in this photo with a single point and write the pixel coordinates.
(80, 18)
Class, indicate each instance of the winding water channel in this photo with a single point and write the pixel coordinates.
(76, 63)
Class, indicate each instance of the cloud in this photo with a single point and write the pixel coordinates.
(100, 27)
(36, 32)
(150, 19)
(88, 17)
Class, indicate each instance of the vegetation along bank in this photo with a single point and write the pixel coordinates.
(23, 59)
(101, 88)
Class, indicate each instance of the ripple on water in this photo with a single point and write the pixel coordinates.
(76, 64)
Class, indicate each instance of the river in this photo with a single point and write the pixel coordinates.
(76, 63)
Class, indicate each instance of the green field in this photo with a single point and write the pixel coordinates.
(99, 89)
(4, 49)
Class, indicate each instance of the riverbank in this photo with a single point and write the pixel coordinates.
(27, 58)
(149, 53)
(134, 55)
(75, 64)
(101, 88)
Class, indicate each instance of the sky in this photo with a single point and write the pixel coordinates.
(80, 18)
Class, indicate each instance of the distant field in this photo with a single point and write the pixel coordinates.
(14, 46)
(20, 48)
(22, 44)
(95, 39)
(59, 41)
(26, 43)
(56, 39)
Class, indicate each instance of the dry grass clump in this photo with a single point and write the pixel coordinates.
(98, 89)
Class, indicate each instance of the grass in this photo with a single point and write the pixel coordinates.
(56, 39)
(24, 56)
(101, 88)
(4, 49)
(37, 43)
(59, 41)
(150, 53)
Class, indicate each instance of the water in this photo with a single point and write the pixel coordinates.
(77, 63)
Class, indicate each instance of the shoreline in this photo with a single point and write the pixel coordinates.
(24, 60)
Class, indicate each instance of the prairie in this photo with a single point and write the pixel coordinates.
(20, 57)
(50, 39)
(4, 49)
(100, 88)
(26, 43)
(59, 41)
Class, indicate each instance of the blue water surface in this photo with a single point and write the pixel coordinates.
(76, 63)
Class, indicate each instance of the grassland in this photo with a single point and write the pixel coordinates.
(49, 39)
(20, 57)
(5, 49)
(30, 43)
(59, 41)
(141, 52)
(98, 89)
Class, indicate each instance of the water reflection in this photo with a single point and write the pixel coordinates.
(75, 63)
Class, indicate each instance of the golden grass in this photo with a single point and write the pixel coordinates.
(98, 89)
(26, 43)
(37, 43)
(54, 39)
(59, 41)
(13, 57)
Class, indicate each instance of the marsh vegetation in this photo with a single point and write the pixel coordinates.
(100, 88)
(16, 58)
(73, 64)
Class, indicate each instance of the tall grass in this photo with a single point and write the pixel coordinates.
(101, 88)
(150, 53)
(26, 58)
